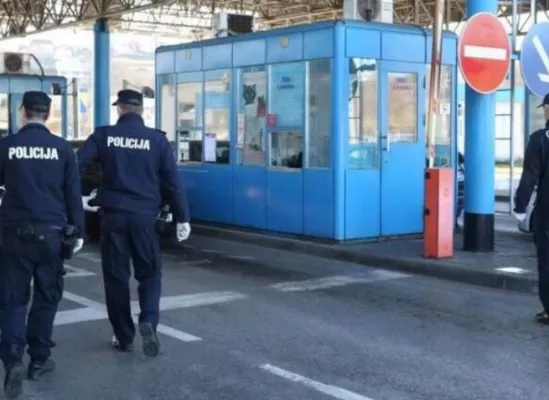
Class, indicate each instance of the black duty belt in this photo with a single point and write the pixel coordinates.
(33, 231)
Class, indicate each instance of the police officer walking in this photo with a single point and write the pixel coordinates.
(42, 194)
(536, 173)
(137, 162)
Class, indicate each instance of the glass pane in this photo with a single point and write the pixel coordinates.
(402, 101)
(4, 115)
(363, 115)
(217, 116)
(252, 107)
(287, 149)
(54, 122)
(166, 83)
(189, 121)
(287, 94)
(320, 117)
(443, 128)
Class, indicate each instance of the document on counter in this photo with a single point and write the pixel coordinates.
(210, 147)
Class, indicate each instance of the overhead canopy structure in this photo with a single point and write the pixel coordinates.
(20, 17)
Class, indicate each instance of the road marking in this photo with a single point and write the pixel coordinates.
(73, 272)
(193, 300)
(512, 270)
(338, 280)
(484, 52)
(90, 257)
(94, 310)
(329, 390)
(242, 257)
(544, 77)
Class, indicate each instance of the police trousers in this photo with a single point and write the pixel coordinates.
(541, 240)
(24, 258)
(129, 237)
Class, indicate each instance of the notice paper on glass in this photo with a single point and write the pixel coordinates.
(210, 152)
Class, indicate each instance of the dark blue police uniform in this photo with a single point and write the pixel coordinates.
(137, 162)
(535, 172)
(40, 175)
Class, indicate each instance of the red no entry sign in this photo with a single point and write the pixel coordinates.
(484, 52)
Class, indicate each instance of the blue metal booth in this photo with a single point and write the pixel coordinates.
(316, 130)
(12, 87)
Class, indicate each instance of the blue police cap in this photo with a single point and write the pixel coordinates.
(545, 101)
(36, 101)
(129, 97)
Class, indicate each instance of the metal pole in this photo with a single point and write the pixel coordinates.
(512, 105)
(434, 81)
(75, 109)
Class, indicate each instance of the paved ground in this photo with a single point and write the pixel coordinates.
(305, 329)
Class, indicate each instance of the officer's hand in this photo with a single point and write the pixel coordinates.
(78, 245)
(183, 231)
(87, 207)
(519, 216)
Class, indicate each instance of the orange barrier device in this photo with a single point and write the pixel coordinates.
(438, 239)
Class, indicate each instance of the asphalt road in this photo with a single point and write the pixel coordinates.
(324, 330)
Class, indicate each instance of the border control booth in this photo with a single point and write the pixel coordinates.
(315, 130)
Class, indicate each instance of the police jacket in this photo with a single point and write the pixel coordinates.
(535, 172)
(39, 172)
(136, 163)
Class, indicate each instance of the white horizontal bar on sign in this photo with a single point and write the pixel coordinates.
(330, 390)
(486, 53)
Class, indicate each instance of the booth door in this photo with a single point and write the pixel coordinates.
(403, 147)
(15, 100)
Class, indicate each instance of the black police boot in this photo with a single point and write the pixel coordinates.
(38, 368)
(13, 381)
(150, 341)
(542, 318)
(124, 348)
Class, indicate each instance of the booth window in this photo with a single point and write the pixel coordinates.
(252, 109)
(286, 114)
(4, 115)
(189, 117)
(217, 100)
(166, 108)
(319, 112)
(55, 120)
(402, 107)
(363, 114)
(443, 127)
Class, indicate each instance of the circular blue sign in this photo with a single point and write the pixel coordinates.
(534, 59)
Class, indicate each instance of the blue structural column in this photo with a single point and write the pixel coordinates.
(478, 232)
(101, 73)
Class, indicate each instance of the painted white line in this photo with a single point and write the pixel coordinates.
(197, 262)
(338, 280)
(512, 270)
(73, 272)
(100, 312)
(90, 257)
(242, 257)
(487, 53)
(334, 391)
(193, 300)
(211, 251)
(79, 315)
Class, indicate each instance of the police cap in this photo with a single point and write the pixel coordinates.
(129, 97)
(36, 101)
(545, 101)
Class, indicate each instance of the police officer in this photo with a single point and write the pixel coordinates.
(42, 194)
(136, 163)
(536, 173)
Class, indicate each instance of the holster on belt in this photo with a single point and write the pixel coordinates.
(68, 241)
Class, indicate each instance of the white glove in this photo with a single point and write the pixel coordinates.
(87, 207)
(519, 217)
(78, 245)
(183, 231)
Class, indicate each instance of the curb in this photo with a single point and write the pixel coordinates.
(438, 269)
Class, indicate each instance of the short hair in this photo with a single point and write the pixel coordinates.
(130, 108)
(36, 115)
